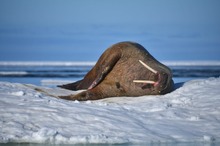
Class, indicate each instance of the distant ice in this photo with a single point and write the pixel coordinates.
(49, 82)
(13, 73)
(191, 113)
(45, 63)
(91, 63)
(191, 63)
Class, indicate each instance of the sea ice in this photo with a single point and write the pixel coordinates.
(191, 113)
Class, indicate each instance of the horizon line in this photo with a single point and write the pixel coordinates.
(92, 63)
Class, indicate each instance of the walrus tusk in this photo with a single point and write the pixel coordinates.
(144, 81)
(148, 67)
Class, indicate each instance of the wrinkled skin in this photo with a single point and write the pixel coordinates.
(115, 72)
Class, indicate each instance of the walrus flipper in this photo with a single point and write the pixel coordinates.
(84, 95)
(103, 66)
(106, 67)
(107, 64)
(79, 97)
(83, 84)
(71, 86)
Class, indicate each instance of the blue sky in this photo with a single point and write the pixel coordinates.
(80, 30)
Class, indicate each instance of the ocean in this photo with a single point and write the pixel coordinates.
(55, 73)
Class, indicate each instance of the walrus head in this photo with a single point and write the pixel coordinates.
(163, 82)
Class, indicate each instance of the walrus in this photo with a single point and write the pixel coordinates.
(124, 69)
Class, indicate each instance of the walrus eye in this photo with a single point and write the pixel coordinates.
(146, 81)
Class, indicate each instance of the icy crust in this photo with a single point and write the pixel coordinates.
(191, 113)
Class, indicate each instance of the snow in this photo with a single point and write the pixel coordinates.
(191, 113)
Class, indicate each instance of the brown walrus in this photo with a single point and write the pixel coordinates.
(124, 69)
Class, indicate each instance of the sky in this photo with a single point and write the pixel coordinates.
(81, 30)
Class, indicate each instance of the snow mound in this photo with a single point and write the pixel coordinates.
(191, 113)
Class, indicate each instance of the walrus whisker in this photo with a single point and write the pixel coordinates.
(144, 81)
(148, 67)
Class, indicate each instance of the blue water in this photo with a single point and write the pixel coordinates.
(38, 74)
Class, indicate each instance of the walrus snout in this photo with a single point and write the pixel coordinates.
(161, 83)
(164, 83)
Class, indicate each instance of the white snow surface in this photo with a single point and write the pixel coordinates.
(191, 113)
